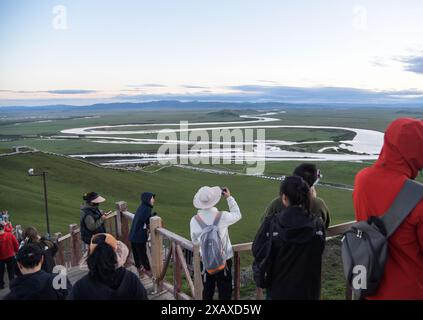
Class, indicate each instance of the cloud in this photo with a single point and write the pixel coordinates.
(413, 63)
(147, 85)
(62, 91)
(378, 62)
(189, 86)
(70, 91)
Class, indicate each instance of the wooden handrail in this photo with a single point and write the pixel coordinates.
(160, 263)
(184, 243)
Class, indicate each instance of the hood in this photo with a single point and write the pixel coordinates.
(297, 226)
(146, 197)
(402, 149)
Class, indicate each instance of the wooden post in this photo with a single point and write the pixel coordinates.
(198, 281)
(177, 275)
(60, 255)
(122, 223)
(76, 247)
(156, 252)
(237, 275)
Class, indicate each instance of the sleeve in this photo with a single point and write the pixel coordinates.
(73, 292)
(420, 228)
(194, 235)
(274, 207)
(234, 214)
(140, 292)
(92, 224)
(325, 214)
(15, 244)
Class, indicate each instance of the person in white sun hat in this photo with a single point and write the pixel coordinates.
(208, 215)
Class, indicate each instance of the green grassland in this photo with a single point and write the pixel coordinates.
(68, 179)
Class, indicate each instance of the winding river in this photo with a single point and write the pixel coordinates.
(365, 145)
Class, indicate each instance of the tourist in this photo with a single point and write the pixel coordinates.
(107, 278)
(35, 283)
(205, 201)
(312, 176)
(48, 247)
(92, 219)
(298, 244)
(375, 189)
(139, 233)
(8, 248)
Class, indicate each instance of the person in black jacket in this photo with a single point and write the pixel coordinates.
(35, 283)
(92, 219)
(139, 232)
(295, 271)
(107, 278)
(48, 247)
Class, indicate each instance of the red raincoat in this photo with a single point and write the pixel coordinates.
(375, 190)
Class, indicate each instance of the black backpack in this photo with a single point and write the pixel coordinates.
(365, 244)
(262, 248)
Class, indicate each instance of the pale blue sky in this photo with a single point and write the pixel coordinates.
(117, 50)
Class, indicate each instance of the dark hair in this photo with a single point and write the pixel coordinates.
(30, 255)
(102, 264)
(297, 191)
(308, 172)
(31, 235)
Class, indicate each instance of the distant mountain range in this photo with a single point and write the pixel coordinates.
(175, 104)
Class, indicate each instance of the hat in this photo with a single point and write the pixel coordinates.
(119, 247)
(93, 197)
(207, 197)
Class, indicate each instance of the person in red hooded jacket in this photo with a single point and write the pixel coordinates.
(375, 189)
(8, 248)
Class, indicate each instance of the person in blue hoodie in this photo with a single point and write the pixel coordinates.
(139, 232)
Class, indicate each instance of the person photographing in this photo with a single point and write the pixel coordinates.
(92, 218)
(209, 228)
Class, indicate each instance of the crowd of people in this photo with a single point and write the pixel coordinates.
(287, 248)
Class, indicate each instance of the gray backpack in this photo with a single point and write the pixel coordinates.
(211, 246)
(365, 245)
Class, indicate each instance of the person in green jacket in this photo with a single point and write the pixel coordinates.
(311, 176)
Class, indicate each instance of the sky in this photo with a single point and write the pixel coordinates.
(82, 52)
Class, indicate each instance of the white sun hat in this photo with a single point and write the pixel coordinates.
(207, 197)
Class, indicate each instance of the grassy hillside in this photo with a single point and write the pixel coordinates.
(68, 179)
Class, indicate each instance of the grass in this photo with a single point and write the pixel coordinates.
(68, 179)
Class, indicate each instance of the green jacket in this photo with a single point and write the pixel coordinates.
(318, 208)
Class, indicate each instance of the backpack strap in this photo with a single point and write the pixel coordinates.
(407, 199)
(217, 219)
(200, 221)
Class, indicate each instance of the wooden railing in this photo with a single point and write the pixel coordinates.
(180, 253)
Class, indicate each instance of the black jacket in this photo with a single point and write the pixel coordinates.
(86, 233)
(138, 233)
(127, 287)
(36, 286)
(297, 256)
